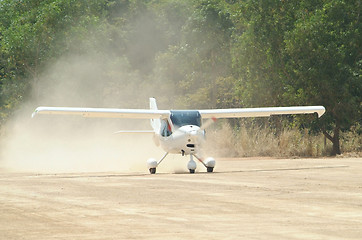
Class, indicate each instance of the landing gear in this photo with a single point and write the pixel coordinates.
(152, 163)
(209, 163)
(191, 165)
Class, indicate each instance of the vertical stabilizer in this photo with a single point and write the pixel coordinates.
(155, 123)
(153, 104)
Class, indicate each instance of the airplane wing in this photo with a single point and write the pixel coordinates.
(260, 112)
(156, 114)
(104, 112)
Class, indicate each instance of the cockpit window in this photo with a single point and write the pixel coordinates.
(165, 128)
(182, 118)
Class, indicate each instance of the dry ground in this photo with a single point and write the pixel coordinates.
(243, 199)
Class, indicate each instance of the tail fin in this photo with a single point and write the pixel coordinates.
(153, 104)
(155, 123)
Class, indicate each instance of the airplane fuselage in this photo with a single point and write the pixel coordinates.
(181, 132)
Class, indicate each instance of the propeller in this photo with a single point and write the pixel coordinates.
(208, 123)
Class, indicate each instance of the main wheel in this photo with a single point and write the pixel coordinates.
(152, 170)
(192, 170)
(210, 169)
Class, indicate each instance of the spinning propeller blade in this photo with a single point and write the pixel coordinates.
(208, 123)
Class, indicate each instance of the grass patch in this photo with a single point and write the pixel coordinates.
(260, 141)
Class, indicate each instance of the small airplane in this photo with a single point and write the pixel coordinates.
(179, 131)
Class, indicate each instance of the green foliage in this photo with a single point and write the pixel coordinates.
(325, 54)
(200, 58)
(324, 47)
(35, 34)
(258, 50)
(303, 53)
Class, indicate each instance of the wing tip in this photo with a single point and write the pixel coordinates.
(35, 112)
(321, 111)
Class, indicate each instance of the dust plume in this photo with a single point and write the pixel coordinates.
(95, 77)
(69, 144)
(56, 143)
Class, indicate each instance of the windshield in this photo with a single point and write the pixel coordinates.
(182, 118)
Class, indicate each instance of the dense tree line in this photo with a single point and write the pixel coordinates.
(203, 53)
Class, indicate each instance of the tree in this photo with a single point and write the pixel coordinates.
(258, 55)
(325, 62)
(306, 52)
(257, 50)
(201, 58)
(33, 34)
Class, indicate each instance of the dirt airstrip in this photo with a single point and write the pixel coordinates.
(243, 199)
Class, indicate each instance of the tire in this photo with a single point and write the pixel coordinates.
(192, 170)
(152, 170)
(210, 169)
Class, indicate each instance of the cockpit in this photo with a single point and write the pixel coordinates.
(180, 118)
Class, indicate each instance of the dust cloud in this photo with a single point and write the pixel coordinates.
(98, 78)
(58, 144)
(49, 143)
(69, 144)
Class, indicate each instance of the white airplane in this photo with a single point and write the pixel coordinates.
(179, 131)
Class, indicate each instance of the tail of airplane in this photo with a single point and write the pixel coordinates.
(155, 123)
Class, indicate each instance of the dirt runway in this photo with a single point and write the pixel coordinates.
(243, 199)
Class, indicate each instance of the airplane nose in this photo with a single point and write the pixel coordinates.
(191, 137)
(193, 133)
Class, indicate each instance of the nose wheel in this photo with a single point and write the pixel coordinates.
(191, 164)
